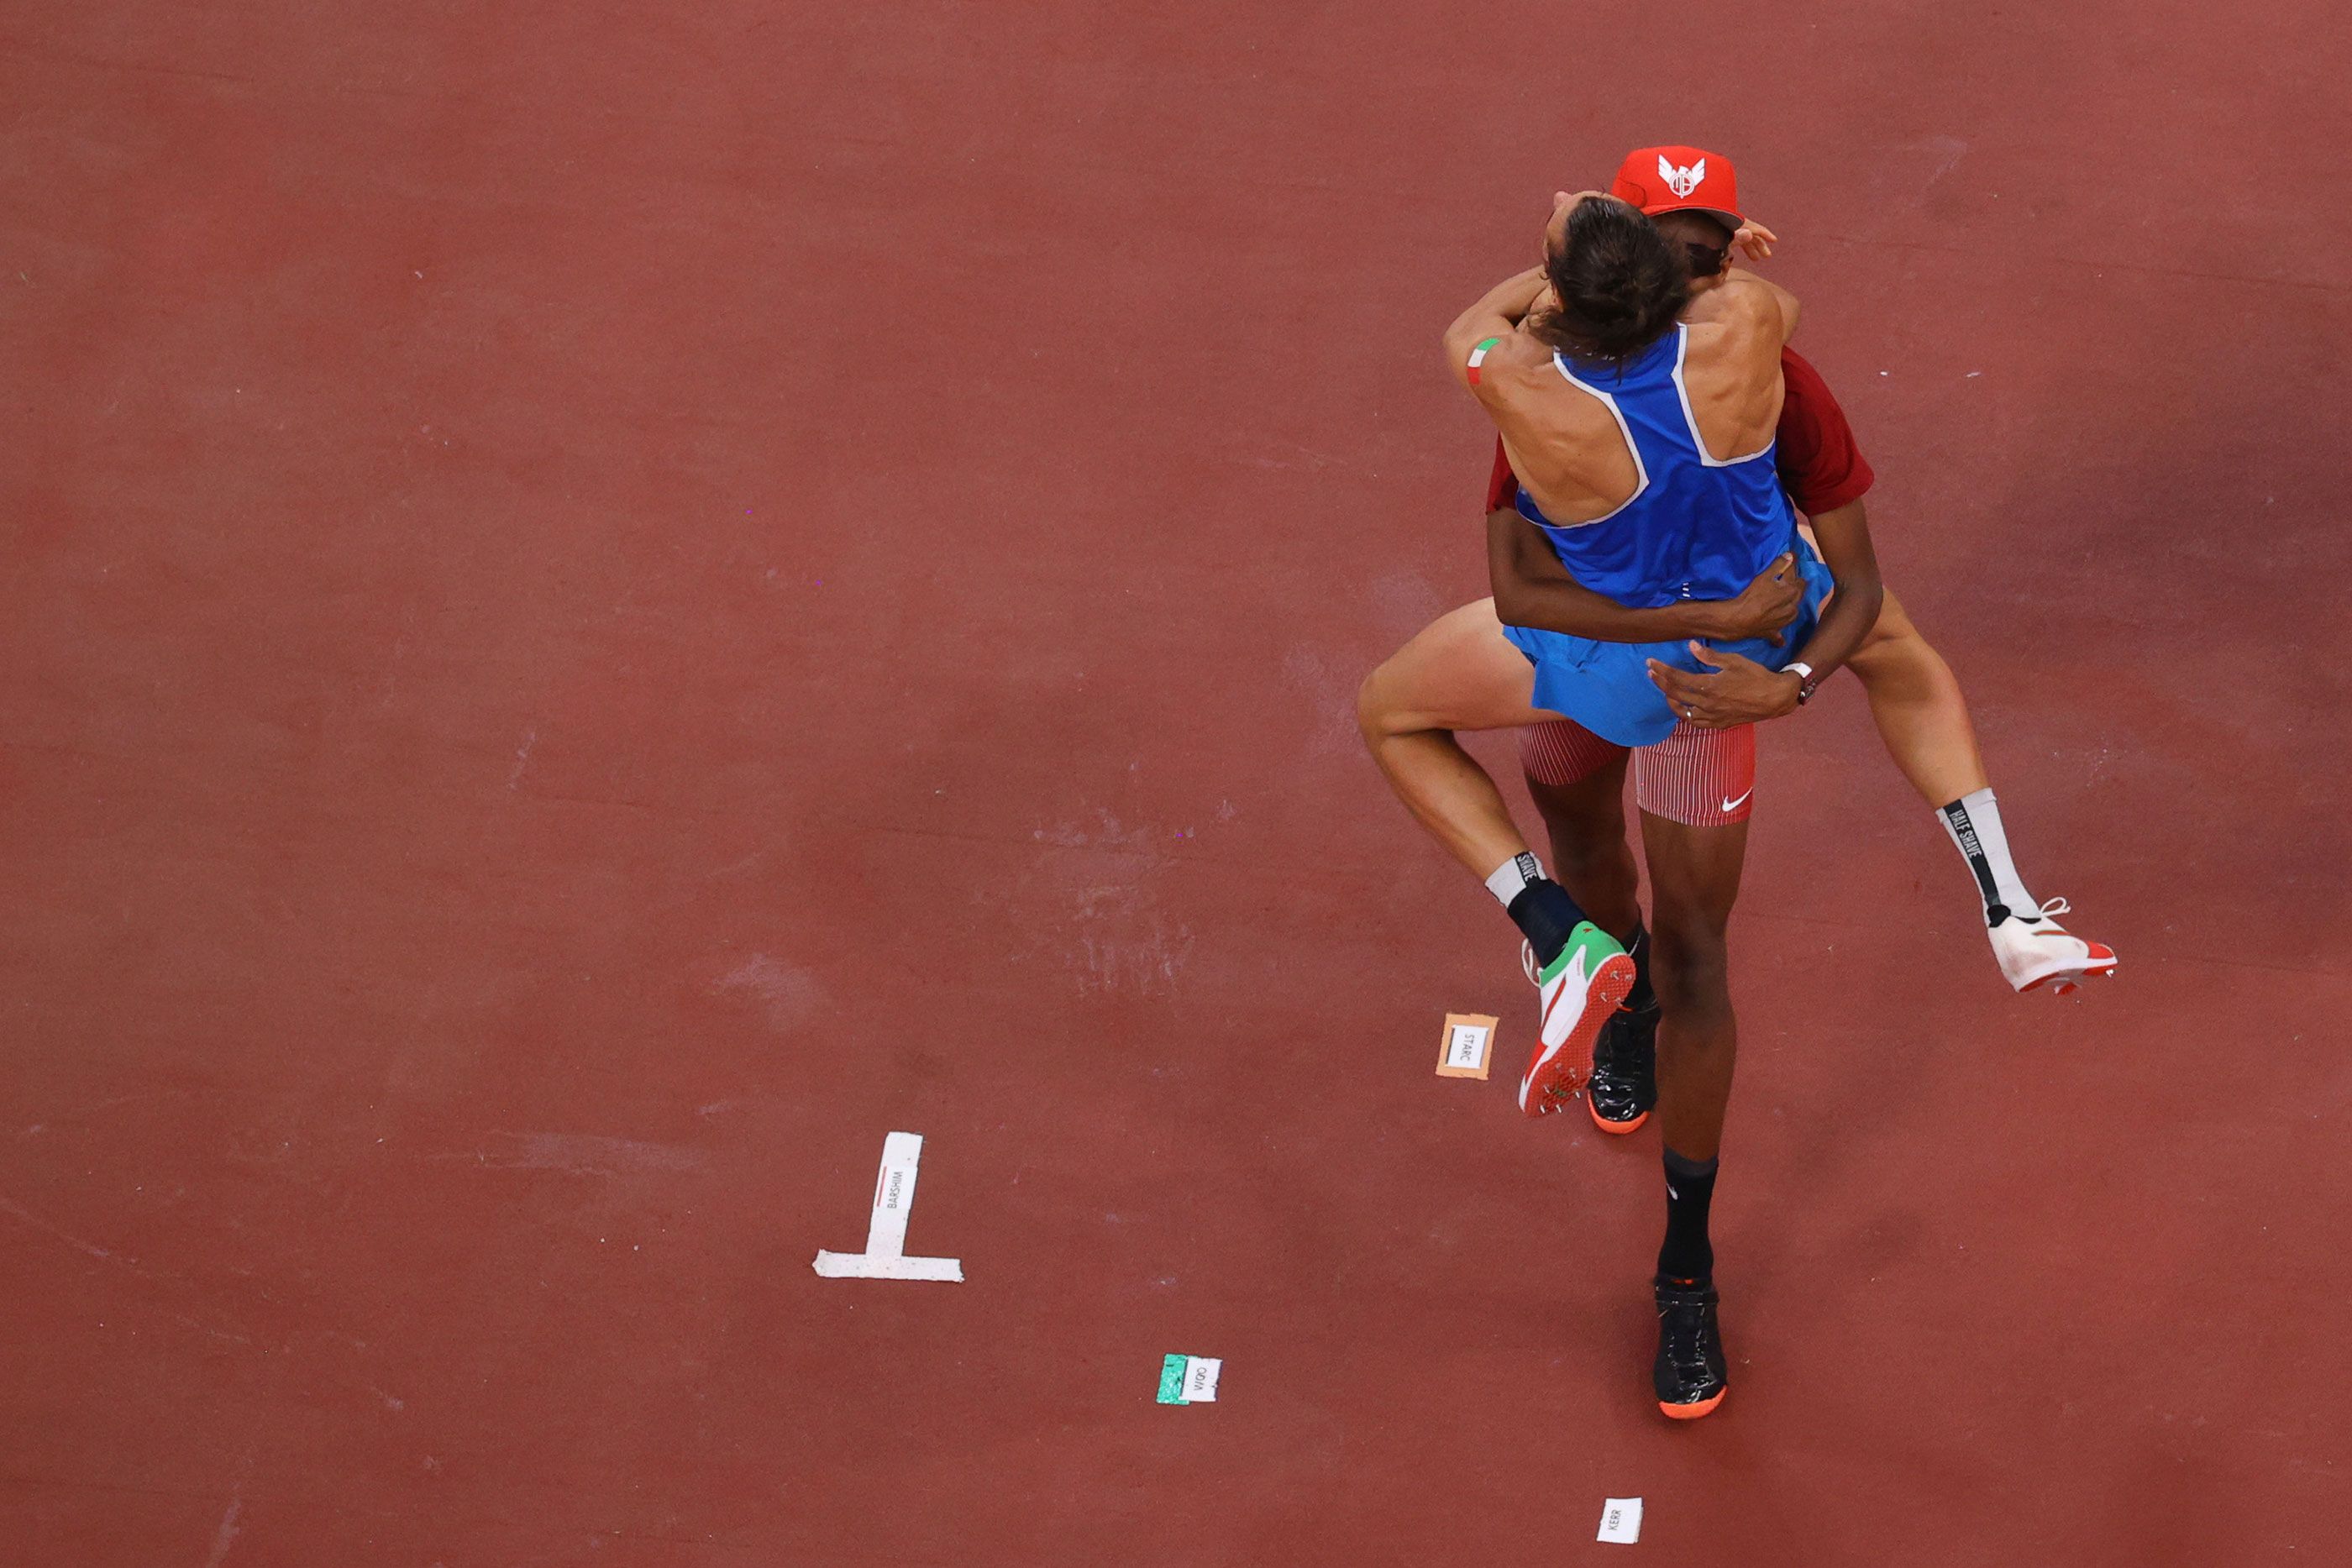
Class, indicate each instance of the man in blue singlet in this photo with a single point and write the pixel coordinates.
(1695, 527)
(1642, 445)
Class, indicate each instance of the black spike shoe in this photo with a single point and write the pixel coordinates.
(1689, 1371)
(1625, 1082)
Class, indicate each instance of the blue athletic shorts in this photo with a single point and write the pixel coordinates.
(1606, 686)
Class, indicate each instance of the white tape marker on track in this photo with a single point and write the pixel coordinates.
(1620, 1520)
(885, 1257)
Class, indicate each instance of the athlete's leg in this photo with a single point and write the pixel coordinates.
(1460, 674)
(1694, 880)
(1698, 777)
(1924, 720)
(1577, 782)
(1917, 707)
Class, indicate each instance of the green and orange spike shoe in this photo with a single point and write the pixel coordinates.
(1579, 991)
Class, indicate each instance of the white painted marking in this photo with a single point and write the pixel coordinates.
(894, 1195)
(886, 1232)
(225, 1536)
(1620, 1520)
(864, 1266)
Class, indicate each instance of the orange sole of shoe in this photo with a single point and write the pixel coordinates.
(1621, 1128)
(1691, 1412)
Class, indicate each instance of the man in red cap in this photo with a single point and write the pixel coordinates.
(1686, 180)
(1577, 782)
(1644, 438)
(1693, 195)
(1689, 781)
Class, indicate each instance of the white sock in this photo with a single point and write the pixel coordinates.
(1510, 879)
(1974, 823)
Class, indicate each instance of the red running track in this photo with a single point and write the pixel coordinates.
(605, 603)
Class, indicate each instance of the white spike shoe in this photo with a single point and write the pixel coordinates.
(2034, 950)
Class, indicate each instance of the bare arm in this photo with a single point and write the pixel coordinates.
(1740, 691)
(1532, 589)
(1844, 537)
(1497, 314)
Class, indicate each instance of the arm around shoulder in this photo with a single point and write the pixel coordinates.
(1485, 355)
(1490, 327)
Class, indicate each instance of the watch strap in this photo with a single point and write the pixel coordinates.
(1806, 680)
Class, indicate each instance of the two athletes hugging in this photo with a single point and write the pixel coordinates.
(1678, 551)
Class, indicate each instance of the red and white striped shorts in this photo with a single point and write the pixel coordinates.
(1699, 777)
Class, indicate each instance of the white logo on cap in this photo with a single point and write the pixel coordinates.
(1681, 182)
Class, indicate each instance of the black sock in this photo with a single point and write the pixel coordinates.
(1546, 917)
(1690, 1187)
(1640, 998)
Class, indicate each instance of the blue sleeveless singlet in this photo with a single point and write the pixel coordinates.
(1694, 528)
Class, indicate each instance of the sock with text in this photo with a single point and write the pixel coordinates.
(1539, 906)
(1974, 822)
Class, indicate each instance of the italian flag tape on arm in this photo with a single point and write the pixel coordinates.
(1478, 357)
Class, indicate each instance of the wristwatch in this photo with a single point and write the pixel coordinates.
(1806, 679)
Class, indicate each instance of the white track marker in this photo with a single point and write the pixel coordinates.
(1189, 1379)
(885, 1257)
(1463, 1051)
(1620, 1520)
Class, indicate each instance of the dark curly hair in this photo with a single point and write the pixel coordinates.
(1619, 281)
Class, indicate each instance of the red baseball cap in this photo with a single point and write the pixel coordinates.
(1679, 180)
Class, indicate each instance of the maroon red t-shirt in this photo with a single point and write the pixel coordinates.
(1821, 467)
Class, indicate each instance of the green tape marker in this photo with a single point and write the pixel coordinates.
(1172, 1379)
